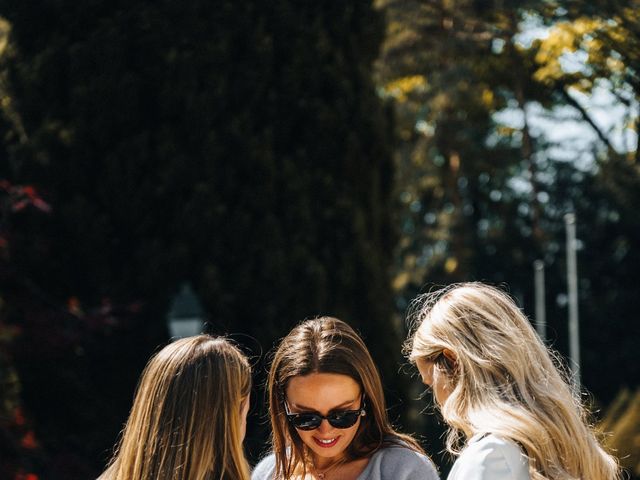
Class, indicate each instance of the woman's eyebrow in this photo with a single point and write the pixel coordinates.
(344, 404)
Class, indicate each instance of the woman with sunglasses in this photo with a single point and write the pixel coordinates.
(511, 413)
(328, 412)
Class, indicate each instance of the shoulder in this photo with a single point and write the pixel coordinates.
(265, 469)
(491, 458)
(398, 461)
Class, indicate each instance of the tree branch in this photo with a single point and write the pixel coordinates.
(587, 118)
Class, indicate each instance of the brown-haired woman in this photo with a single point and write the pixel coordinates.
(189, 415)
(328, 412)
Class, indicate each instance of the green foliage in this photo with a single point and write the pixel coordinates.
(483, 189)
(456, 160)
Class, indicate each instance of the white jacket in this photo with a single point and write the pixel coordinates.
(489, 457)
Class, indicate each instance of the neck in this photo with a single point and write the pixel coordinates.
(321, 463)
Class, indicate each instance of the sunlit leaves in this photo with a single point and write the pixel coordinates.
(5, 28)
(401, 88)
(608, 34)
(563, 38)
(600, 40)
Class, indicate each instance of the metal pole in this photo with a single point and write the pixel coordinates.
(541, 317)
(572, 285)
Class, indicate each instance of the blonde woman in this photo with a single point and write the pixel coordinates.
(188, 418)
(328, 412)
(500, 391)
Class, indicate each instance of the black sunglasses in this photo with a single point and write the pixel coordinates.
(337, 419)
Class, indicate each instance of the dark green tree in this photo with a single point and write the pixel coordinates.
(240, 146)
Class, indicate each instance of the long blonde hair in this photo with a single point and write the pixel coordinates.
(186, 420)
(327, 345)
(505, 381)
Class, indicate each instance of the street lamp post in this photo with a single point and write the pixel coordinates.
(186, 315)
(572, 289)
(541, 318)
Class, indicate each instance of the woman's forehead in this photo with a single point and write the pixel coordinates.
(322, 391)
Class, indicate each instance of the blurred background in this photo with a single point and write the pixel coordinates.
(251, 164)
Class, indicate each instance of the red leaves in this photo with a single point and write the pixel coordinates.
(26, 476)
(23, 441)
(74, 307)
(18, 417)
(28, 441)
(30, 191)
(19, 205)
(13, 199)
(20, 197)
(41, 205)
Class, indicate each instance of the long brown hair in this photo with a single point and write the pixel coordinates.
(186, 420)
(327, 345)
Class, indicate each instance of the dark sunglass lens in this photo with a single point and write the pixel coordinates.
(344, 419)
(307, 421)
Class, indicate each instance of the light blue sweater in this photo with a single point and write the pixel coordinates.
(490, 457)
(389, 463)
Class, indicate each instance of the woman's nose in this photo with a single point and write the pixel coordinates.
(325, 426)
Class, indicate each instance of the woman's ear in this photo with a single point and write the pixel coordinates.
(451, 357)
